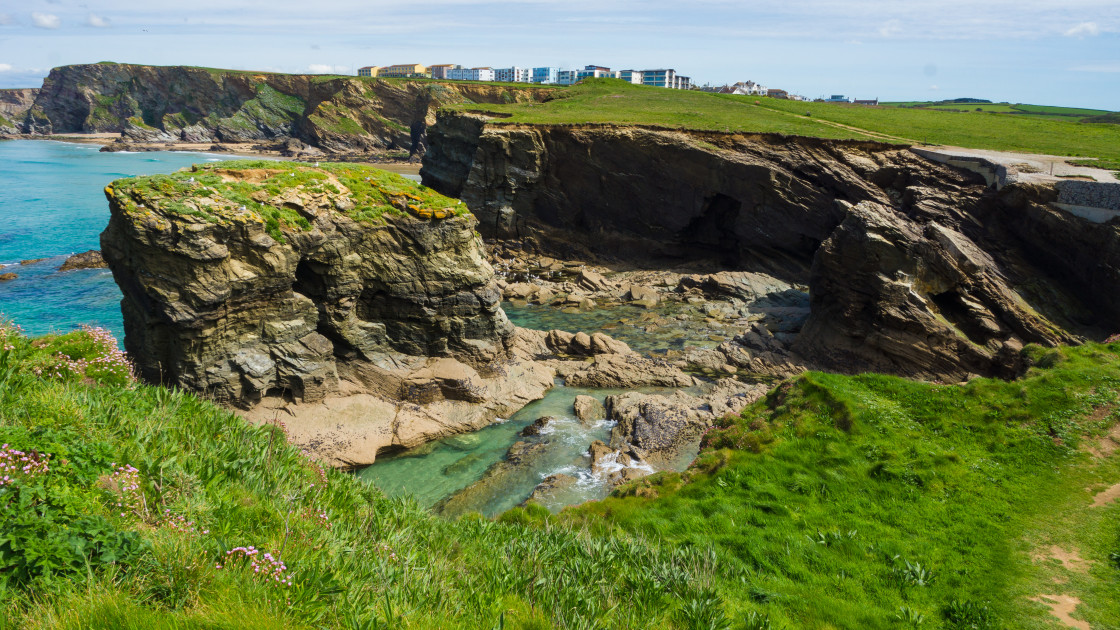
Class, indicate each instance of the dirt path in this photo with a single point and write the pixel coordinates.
(1107, 496)
(872, 134)
(1062, 606)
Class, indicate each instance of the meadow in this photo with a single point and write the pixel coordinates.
(835, 502)
(610, 101)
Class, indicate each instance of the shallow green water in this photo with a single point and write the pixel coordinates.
(649, 331)
(439, 469)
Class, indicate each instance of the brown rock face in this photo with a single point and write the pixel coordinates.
(223, 307)
(85, 260)
(14, 105)
(914, 267)
(175, 103)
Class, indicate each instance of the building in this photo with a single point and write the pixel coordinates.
(630, 76)
(666, 78)
(776, 93)
(471, 74)
(566, 77)
(368, 71)
(513, 75)
(404, 70)
(874, 101)
(439, 71)
(837, 98)
(742, 88)
(595, 72)
(546, 74)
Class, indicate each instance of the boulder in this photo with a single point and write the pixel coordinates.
(535, 428)
(8, 276)
(588, 409)
(86, 260)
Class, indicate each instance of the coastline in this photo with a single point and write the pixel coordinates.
(241, 149)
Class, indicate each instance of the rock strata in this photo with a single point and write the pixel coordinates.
(85, 260)
(364, 333)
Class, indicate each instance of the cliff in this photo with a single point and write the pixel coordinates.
(914, 267)
(180, 103)
(14, 105)
(279, 283)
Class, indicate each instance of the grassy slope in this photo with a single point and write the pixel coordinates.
(87, 545)
(871, 501)
(612, 101)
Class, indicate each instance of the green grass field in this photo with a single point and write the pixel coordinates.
(877, 502)
(836, 502)
(610, 101)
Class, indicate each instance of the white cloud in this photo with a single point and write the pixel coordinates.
(325, 68)
(6, 19)
(934, 88)
(45, 20)
(890, 29)
(1084, 29)
(96, 21)
(5, 67)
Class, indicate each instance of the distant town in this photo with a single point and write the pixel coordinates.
(550, 75)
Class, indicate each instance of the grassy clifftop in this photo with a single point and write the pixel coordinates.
(836, 502)
(616, 102)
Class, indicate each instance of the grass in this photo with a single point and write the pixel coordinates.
(153, 497)
(217, 193)
(876, 502)
(609, 101)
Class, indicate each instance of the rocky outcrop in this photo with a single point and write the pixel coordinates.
(14, 105)
(914, 267)
(85, 260)
(244, 287)
(339, 115)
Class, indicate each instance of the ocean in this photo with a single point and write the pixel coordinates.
(51, 206)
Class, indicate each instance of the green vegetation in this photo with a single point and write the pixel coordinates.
(136, 506)
(611, 101)
(253, 190)
(877, 502)
(1077, 113)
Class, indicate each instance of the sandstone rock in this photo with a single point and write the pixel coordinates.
(615, 370)
(519, 460)
(757, 289)
(86, 260)
(588, 409)
(599, 453)
(658, 425)
(593, 281)
(647, 295)
(546, 490)
(5, 277)
(31, 261)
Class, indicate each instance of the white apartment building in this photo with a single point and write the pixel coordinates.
(513, 75)
(546, 74)
(471, 74)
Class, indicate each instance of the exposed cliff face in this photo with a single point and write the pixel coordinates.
(220, 297)
(14, 105)
(177, 103)
(914, 267)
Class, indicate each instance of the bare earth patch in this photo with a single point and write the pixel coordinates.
(1106, 496)
(1107, 445)
(1061, 606)
(1070, 558)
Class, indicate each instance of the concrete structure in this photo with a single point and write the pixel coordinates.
(776, 93)
(630, 76)
(595, 72)
(440, 71)
(837, 98)
(404, 70)
(566, 77)
(866, 101)
(513, 75)
(471, 74)
(368, 71)
(546, 74)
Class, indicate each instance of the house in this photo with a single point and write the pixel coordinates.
(404, 70)
(874, 101)
(595, 72)
(837, 98)
(631, 76)
(776, 93)
(440, 71)
(368, 71)
(743, 88)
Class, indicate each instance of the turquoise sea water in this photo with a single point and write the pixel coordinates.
(51, 206)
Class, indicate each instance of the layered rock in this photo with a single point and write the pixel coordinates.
(14, 105)
(341, 115)
(243, 287)
(914, 267)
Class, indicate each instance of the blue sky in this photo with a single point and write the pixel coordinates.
(1054, 52)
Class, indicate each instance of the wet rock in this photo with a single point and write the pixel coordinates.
(31, 261)
(600, 453)
(538, 424)
(659, 425)
(644, 295)
(86, 260)
(6, 277)
(588, 409)
(546, 491)
(518, 463)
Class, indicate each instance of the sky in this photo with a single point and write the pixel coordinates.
(1052, 52)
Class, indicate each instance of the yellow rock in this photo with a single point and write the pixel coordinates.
(424, 213)
(109, 191)
(440, 214)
